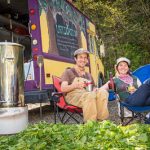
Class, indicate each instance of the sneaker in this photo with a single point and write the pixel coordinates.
(148, 115)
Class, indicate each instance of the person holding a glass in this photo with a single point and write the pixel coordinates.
(125, 83)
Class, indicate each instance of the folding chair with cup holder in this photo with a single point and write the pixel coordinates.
(62, 110)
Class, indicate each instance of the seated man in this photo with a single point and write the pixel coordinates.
(93, 103)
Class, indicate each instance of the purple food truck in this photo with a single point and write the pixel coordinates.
(50, 31)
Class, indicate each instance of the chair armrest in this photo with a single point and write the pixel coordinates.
(56, 96)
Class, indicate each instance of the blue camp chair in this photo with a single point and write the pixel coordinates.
(143, 73)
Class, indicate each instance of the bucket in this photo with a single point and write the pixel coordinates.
(11, 74)
(13, 120)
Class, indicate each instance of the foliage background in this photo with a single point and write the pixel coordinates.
(123, 26)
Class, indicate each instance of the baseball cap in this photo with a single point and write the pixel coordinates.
(81, 51)
(123, 59)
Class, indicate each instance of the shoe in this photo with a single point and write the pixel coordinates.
(148, 115)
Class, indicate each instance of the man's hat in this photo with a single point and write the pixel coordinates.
(81, 51)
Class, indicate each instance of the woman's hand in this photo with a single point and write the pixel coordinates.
(131, 89)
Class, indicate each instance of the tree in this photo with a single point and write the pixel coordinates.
(123, 25)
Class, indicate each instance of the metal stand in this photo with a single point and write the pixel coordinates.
(40, 64)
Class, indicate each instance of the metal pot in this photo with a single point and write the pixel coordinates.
(11, 74)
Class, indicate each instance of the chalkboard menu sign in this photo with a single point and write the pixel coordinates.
(66, 37)
(66, 27)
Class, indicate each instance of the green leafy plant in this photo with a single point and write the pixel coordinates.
(89, 136)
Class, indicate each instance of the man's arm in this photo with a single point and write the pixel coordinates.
(68, 88)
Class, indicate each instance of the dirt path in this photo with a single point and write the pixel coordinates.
(47, 113)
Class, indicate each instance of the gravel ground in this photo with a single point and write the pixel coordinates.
(47, 113)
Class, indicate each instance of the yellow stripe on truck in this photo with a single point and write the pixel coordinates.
(44, 32)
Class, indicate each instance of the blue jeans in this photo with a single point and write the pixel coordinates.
(141, 97)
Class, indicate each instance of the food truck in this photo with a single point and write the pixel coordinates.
(50, 31)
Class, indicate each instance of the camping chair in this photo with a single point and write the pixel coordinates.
(61, 107)
(139, 112)
(112, 95)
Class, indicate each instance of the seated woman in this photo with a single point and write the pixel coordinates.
(125, 83)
